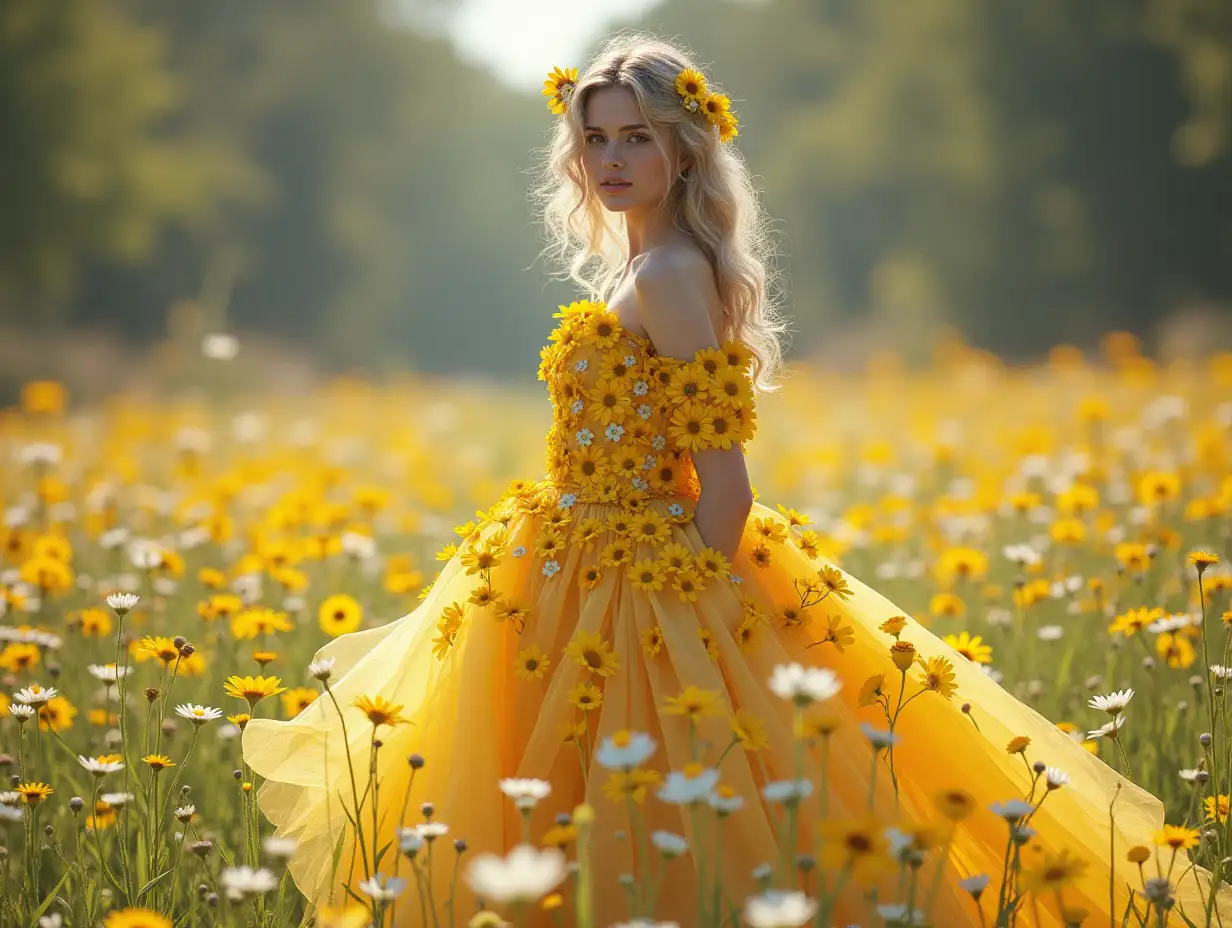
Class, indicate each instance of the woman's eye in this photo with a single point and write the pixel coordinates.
(593, 138)
(638, 135)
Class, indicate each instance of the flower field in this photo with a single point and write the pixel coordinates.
(171, 566)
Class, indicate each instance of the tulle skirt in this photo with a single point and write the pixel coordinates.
(477, 714)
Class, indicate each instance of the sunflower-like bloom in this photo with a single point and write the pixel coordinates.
(559, 87)
(34, 793)
(380, 711)
(253, 689)
(691, 84)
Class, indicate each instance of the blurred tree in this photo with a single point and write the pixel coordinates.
(91, 169)
(320, 170)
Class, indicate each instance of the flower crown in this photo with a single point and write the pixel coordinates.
(695, 97)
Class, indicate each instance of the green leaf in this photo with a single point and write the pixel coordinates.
(380, 854)
(144, 889)
(38, 913)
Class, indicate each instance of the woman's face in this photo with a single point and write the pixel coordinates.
(617, 146)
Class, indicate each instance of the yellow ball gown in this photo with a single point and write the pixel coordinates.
(585, 603)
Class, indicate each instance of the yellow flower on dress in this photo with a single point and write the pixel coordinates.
(550, 543)
(902, 653)
(711, 562)
(693, 702)
(871, 690)
(586, 696)
(939, 676)
(688, 584)
(339, 615)
(835, 632)
(649, 527)
(616, 554)
(589, 650)
(648, 575)
(531, 663)
(588, 465)
(590, 576)
(610, 403)
(833, 582)
(652, 640)
(484, 595)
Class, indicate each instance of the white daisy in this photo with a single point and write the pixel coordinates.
(526, 874)
(35, 695)
(108, 673)
(584, 437)
(122, 602)
(778, 909)
(383, 888)
(614, 432)
(321, 669)
(525, 793)
(100, 767)
(198, 715)
(640, 388)
(1056, 778)
(242, 882)
(804, 685)
(519, 551)
(551, 568)
(279, 848)
(1109, 730)
(1113, 703)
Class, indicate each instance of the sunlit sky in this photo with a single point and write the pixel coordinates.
(521, 40)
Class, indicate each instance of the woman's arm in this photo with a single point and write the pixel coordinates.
(675, 293)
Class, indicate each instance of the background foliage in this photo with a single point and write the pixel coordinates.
(324, 173)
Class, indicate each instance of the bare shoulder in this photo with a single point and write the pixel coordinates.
(678, 303)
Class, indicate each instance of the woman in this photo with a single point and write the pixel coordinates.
(639, 588)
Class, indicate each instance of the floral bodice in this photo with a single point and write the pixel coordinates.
(626, 420)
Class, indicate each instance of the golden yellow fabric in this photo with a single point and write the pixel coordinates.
(618, 492)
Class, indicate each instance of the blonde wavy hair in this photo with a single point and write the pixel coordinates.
(717, 206)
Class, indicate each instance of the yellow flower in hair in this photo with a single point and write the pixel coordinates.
(691, 84)
(716, 106)
(727, 127)
(559, 87)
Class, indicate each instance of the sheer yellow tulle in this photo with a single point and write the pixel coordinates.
(474, 720)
